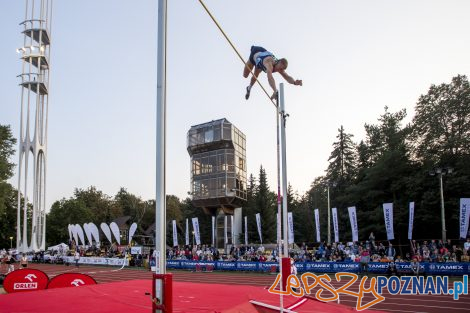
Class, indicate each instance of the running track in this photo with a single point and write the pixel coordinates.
(393, 303)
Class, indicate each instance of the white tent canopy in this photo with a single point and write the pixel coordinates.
(60, 246)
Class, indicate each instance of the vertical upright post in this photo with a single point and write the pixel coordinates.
(284, 168)
(279, 209)
(443, 216)
(160, 203)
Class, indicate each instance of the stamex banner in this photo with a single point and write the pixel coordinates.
(353, 220)
(334, 212)
(388, 217)
(412, 217)
(464, 216)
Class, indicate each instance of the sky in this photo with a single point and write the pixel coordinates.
(354, 57)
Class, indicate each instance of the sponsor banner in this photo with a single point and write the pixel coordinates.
(136, 250)
(213, 231)
(404, 268)
(388, 218)
(232, 230)
(246, 231)
(197, 234)
(258, 224)
(268, 266)
(353, 220)
(80, 234)
(71, 280)
(412, 217)
(225, 231)
(334, 212)
(187, 233)
(317, 224)
(247, 266)
(290, 223)
(97, 261)
(464, 216)
(226, 266)
(175, 234)
(27, 279)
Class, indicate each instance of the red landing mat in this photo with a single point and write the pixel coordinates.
(130, 296)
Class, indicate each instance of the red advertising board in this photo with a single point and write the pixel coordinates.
(71, 280)
(27, 279)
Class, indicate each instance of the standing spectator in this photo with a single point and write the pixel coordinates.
(390, 252)
(10, 262)
(76, 258)
(466, 246)
(24, 261)
(365, 259)
(293, 271)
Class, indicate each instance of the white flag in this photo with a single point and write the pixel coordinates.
(115, 231)
(334, 212)
(213, 231)
(95, 232)
(175, 235)
(132, 230)
(258, 224)
(464, 216)
(187, 233)
(353, 220)
(87, 230)
(225, 230)
(317, 223)
(106, 231)
(290, 222)
(412, 217)
(246, 231)
(233, 230)
(80, 233)
(196, 230)
(388, 217)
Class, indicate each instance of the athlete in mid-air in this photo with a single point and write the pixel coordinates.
(263, 60)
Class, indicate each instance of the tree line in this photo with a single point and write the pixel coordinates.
(391, 164)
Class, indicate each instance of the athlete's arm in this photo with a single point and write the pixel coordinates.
(289, 79)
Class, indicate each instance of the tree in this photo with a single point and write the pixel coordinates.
(342, 167)
(441, 126)
(8, 194)
(265, 204)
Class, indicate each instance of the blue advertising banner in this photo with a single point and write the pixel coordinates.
(456, 269)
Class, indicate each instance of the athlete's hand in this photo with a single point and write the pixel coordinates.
(298, 82)
(275, 95)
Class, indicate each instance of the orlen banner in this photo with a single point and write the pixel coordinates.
(27, 279)
(71, 280)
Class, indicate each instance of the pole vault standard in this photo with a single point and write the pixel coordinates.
(162, 282)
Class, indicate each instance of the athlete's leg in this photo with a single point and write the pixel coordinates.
(247, 69)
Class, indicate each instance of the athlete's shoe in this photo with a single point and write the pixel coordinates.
(248, 89)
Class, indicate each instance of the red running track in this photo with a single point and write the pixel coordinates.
(393, 303)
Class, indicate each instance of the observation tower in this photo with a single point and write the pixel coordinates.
(218, 173)
(34, 83)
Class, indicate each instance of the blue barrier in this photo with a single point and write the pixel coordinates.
(457, 269)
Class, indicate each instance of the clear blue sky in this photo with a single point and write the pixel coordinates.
(355, 58)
